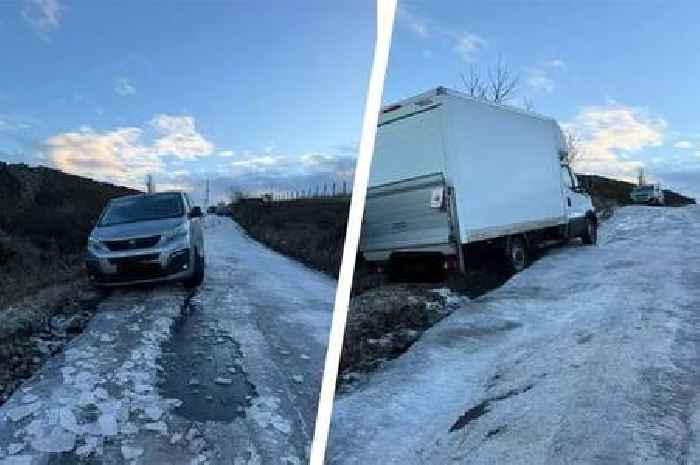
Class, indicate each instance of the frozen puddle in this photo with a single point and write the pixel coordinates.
(202, 368)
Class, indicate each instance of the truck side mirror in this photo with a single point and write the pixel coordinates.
(196, 212)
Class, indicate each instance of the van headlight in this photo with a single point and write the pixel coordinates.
(177, 233)
(96, 245)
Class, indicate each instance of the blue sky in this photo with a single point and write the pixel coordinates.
(622, 75)
(255, 96)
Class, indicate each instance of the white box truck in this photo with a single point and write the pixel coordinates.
(451, 174)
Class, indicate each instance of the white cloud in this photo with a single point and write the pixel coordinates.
(611, 135)
(539, 80)
(15, 123)
(43, 15)
(339, 166)
(267, 171)
(467, 45)
(117, 156)
(260, 164)
(226, 153)
(123, 87)
(539, 77)
(125, 155)
(413, 22)
(684, 144)
(557, 63)
(179, 137)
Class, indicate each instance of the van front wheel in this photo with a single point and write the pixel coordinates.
(198, 275)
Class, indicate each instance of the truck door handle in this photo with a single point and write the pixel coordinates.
(568, 200)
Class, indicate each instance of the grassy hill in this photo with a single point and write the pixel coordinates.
(45, 217)
(309, 230)
(608, 192)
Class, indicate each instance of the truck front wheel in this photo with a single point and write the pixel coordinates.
(590, 235)
(516, 253)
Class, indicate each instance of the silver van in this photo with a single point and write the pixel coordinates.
(147, 238)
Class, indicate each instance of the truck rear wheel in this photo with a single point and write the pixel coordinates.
(516, 253)
(590, 235)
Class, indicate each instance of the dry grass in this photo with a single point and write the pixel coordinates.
(309, 230)
(45, 219)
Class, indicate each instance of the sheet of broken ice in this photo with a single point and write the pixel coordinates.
(588, 356)
(99, 397)
(102, 386)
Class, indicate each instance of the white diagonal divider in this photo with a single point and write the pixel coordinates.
(386, 10)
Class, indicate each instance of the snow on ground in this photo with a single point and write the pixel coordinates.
(588, 356)
(101, 400)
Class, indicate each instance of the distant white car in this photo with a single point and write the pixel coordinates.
(650, 194)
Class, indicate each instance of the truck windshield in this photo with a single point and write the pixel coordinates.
(148, 207)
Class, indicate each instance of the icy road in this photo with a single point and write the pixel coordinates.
(590, 356)
(227, 376)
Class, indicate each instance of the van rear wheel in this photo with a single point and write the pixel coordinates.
(516, 253)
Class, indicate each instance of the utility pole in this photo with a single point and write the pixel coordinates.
(150, 184)
(207, 195)
(641, 179)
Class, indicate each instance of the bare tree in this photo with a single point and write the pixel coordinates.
(502, 83)
(475, 86)
(573, 145)
(499, 86)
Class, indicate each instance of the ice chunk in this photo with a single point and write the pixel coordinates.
(224, 381)
(101, 393)
(298, 379)
(142, 388)
(58, 440)
(15, 448)
(88, 448)
(23, 411)
(86, 398)
(153, 412)
(232, 370)
(158, 426)
(131, 453)
(108, 423)
(129, 428)
(191, 434)
(68, 421)
(175, 438)
(29, 398)
(18, 460)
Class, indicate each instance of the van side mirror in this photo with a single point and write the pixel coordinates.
(196, 212)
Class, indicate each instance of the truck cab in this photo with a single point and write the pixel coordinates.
(650, 194)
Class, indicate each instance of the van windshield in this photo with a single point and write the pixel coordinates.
(147, 207)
